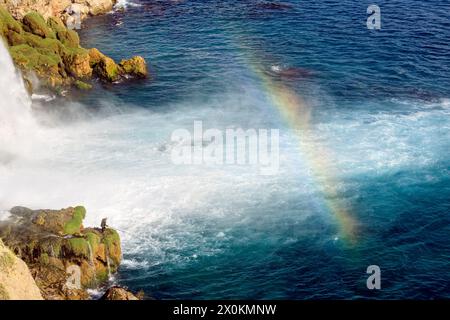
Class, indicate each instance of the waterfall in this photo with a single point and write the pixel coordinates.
(17, 124)
(92, 263)
(108, 263)
(91, 254)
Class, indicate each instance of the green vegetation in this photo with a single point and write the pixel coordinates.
(7, 22)
(82, 85)
(135, 66)
(44, 259)
(33, 22)
(78, 246)
(107, 69)
(52, 52)
(73, 226)
(102, 275)
(111, 238)
(93, 239)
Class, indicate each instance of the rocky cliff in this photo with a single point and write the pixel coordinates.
(63, 9)
(16, 282)
(64, 257)
(46, 49)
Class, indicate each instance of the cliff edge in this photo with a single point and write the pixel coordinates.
(16, 282)
(44, 48)
(64, 258)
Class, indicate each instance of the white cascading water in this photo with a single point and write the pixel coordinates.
(17, 126)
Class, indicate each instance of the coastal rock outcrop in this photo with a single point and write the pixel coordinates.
(63, 9)
(16, 282)
(64, 257)
(52, 52)
(118, 293)
(135, 66)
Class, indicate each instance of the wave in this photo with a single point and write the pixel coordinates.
(124, 4)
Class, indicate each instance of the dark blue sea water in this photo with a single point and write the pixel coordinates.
(380, 105)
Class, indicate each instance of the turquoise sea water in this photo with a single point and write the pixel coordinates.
(380, 106)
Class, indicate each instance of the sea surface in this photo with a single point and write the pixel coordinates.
(376, 125)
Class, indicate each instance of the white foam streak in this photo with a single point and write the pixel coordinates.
(17, 126)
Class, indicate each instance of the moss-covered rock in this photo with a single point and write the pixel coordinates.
(33, 22)
(111, 239)
(42, 61)
(78, 247)
(135, 66)
(7, 22)
(82, 85)
(56, 24)
(107, 69)
(52, 52)
(75, 224)
(67, 37)
(95, 56)
(76, 61)
(50, 241)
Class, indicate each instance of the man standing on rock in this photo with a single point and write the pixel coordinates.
(103, 224)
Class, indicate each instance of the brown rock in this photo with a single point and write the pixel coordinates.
(118, 293)
(95, 56)
(99, 6)
(135, 66)
(76, 63)
(107, 69)
(16, 282)
(51, 241)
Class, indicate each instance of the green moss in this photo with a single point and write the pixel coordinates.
(82, 85)
(102, 275)
(52, 246)
(49, 45)
(7, 22)
(44, 259)
(93, 239)
(7, 260)
(42, 61)
(76, 61)
(78, 246)
(55, 24)
(111, 238)
(69, 38)
(135, 66)
(107, 69)
(74, 225)
(33, 22)
(3, 293)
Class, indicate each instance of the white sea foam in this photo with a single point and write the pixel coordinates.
(123, 4)
(43, 97)
(133, 264)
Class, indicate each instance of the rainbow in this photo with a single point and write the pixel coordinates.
(297, 114)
